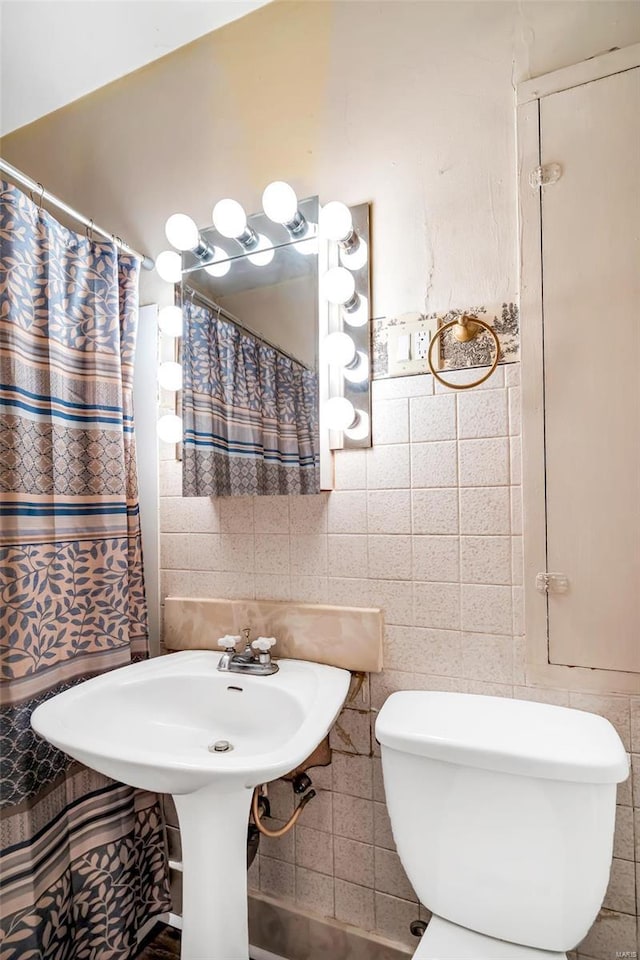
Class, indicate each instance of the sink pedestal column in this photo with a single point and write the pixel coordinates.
(213, 831)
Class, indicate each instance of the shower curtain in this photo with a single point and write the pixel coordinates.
(82, 860)
(249, 413)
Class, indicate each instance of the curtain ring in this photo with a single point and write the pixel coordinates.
(89, 230)
(41, 188)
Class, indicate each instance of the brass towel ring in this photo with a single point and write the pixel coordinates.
(467, 328)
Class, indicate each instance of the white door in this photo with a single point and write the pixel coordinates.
(590, 222)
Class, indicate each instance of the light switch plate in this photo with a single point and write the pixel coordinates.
(420, 331)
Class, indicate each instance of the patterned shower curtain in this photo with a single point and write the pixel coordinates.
(82, 859)
(249, 413)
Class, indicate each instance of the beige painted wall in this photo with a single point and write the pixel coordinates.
(410, 106)
(405, 104)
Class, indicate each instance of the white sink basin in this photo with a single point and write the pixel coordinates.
(151, 725)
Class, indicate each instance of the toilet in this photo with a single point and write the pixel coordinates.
(503, 816)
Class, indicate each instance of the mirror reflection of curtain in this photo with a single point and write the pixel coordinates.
(82, 859)
(249, 413)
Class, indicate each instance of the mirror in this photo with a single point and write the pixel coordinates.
(271, 292)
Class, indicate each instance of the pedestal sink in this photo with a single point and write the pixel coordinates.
(154, 725)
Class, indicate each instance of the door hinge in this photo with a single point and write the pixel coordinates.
(552, 583)
(544, 175)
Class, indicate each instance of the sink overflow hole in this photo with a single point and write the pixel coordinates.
(220, 746)
(239, 689)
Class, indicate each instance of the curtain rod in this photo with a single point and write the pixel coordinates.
(221, 312)
(33, 185)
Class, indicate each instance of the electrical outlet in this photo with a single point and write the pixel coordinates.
(409, 340)
(421, 340)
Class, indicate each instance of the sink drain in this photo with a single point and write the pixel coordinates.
(220, 746)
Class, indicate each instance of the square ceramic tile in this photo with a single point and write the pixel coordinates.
(433, 418)
(621, 892)
(277, 878)
(271, 515)
(170, 478)
(389, 557)
(390, 875)
(485, 560)
(272, 553)
(426, 651)
(435, 511)
(174, 515)
(309, 555)
(347, 512)
(486, 609)
(354, 904)
(394, 387)
(434, 464)
(514, 411)
(268, 586)
(347, 555)
(278, 848)
(436, 559)
(174, 551)
(237, 552)
(436, 605)
(353, 818)
(314, 849)
(314, 891)
(205, 552)
(517, 561)
(515, 459)
(516, 510)
(512, 374)
(469, 376)
(352, 775)
(236, 514)
(350, 467)
(310, 589)
(390, 421)
(394, 597)
(353, 861)
(394, 917)
(388, 467)
(319, 812)
(389, 511)
(308, 514)
(482, 414)
(203, 515)
(484, 463)
(485, 510)
(487, 658)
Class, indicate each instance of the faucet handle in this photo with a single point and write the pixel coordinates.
(263, 644)
(228, 642)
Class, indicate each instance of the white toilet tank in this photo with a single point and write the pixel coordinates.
(502, 811)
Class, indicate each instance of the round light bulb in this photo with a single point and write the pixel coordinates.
(170, 375)
(279, 202)
(360, 429)
(339, 413)
(170, 321)
(218, 269)
(355, 258)
(229, 218)
(339, 349)
(336, 222)
(338, 285)
(170, 428)
(359, 316)
(181, 232)
(263, 253)
(359, 372)
(169, 266)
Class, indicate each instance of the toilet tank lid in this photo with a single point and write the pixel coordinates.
(511, 736)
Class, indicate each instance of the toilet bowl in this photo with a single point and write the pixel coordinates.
(503, 816)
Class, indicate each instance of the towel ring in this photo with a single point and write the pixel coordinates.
(468, 328)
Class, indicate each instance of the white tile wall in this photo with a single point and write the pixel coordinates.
(428, 525)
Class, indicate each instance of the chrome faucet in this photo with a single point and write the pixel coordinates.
(256, 664)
